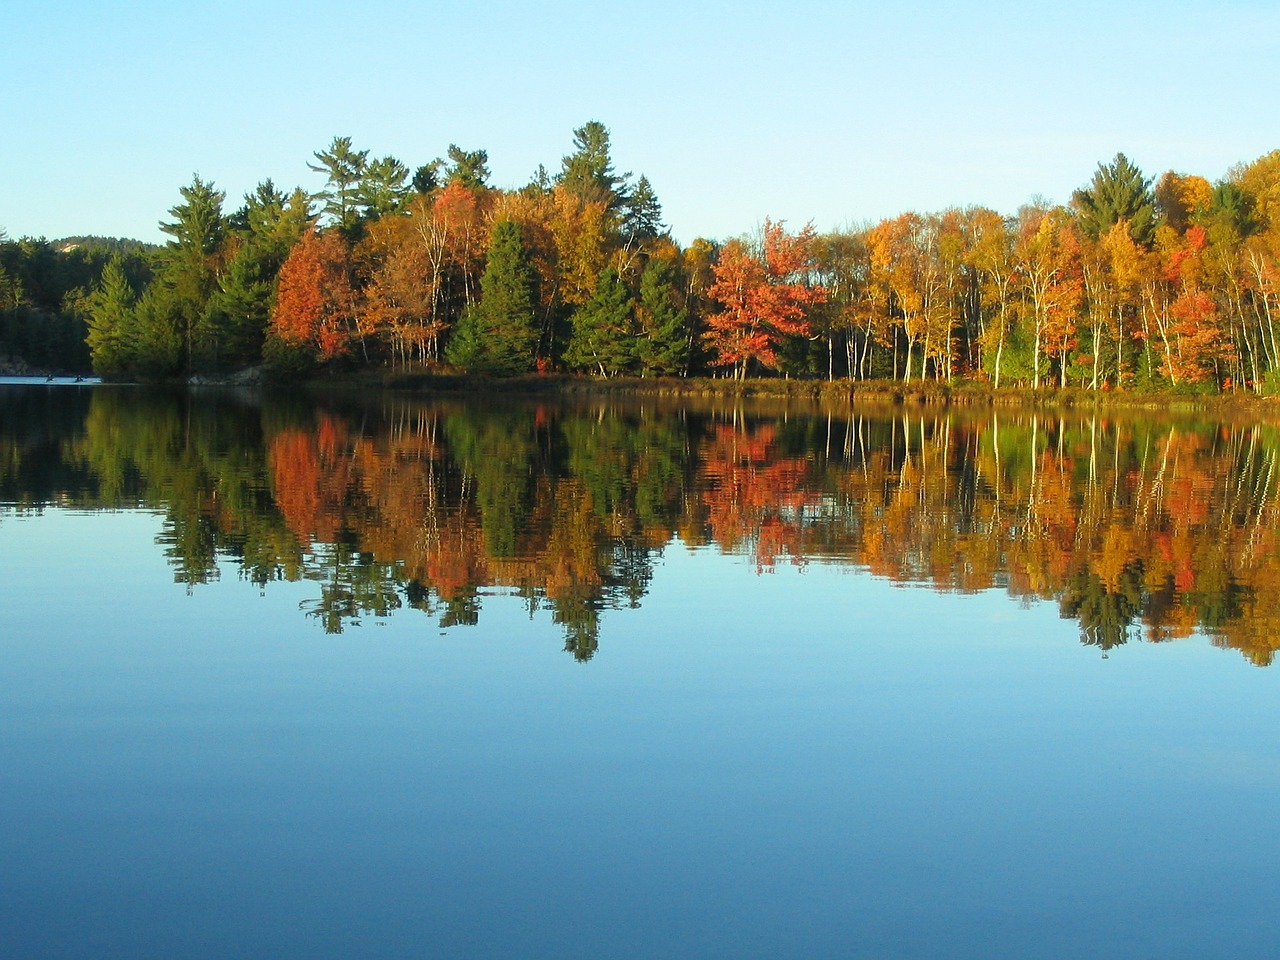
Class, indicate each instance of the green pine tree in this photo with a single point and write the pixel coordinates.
(266, 228)
(110, 316)
(588, 172)
(198, 230)
(343, 168)
(663, 346)
(468, 167)
(383, 188)
(154, 347)
(499, 335)
(1117, 192)
(604, 336)
(642, 213)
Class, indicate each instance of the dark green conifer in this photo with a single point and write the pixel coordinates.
(588, 171)
(663, 346)
(642, 213)
(604, 336)
(1117, 192)
(110, 316)
(499, 335)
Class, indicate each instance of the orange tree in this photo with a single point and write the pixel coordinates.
(764, 297)
(315, 305)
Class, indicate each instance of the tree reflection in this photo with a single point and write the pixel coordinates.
(1138, 528)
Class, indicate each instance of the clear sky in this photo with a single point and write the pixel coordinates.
(827, 112)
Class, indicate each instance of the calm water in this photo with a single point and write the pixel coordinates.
(411, 679)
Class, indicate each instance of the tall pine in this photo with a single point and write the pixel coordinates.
(663, 346)
(1118, 192)
(588, 172)
(110, 310)
(189, 273)
(604, 328)
(499, 335)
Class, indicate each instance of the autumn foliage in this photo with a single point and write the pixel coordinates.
(1128, 285)
(316, 304)
(764, 296)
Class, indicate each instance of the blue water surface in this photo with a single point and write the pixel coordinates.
(803, 762)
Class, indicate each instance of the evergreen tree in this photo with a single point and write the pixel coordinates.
(266, 229)
(110, 311)
(427, 177)
(539, 184)
(1118, 192)
(153, 346)
(240, 309)
(588, 172)
(1230, 209)
(663, 346)
(344, 169)
(604, 328)
(260, 207)
(43, 300)
(198, 229)
(270, 218)
(198, 225)
(468, 167)
(642, 213)
(500, 333)
(382, 188)
(11, 294)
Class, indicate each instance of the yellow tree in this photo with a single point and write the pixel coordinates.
(1129, 264)
(1260, 256)
(843, 264)
(423, 268)
(1261, 181)
(895, 282)
(1195, 343)
(398, 302)
(1180, 197)
(452, 230)
(698, 262)
(1047, 255)
(953, 305)
(990, 253)
(1100, 300)
(581, 229)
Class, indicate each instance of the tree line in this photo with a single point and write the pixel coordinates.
(43, 286)
(1135, 282)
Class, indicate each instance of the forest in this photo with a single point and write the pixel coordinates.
(1138, 282)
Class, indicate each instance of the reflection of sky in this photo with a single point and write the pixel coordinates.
(808, 762)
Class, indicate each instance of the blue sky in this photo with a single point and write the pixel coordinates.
(833, 113)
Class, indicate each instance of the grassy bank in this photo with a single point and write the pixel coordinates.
(838, 393)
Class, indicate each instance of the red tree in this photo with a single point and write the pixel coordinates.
(315, 303)
(764, 296)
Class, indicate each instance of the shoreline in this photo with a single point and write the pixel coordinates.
(879, 393)
(818, 393)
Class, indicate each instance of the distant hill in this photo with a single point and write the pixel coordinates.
(106, 244)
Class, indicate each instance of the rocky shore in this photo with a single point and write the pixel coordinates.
(18, 368)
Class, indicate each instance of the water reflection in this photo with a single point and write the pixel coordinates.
(1137, 527)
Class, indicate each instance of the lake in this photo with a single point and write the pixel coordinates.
(339, 677)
